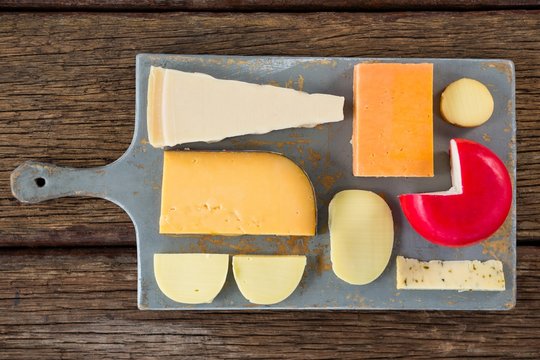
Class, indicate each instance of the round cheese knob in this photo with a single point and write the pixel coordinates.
(466, 102)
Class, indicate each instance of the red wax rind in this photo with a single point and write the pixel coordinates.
(475, 214)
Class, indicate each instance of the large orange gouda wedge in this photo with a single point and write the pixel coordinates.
(235, 193)
(393, 120)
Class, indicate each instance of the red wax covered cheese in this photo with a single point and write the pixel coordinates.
(473, 209)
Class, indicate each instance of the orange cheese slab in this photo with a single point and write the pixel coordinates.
(235, 193)
(393, 120)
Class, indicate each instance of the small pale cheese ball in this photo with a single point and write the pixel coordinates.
(467, 103)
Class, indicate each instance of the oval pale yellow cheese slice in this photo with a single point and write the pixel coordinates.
(267, 280)
(361, 235)
(467, 103)
(191, 278)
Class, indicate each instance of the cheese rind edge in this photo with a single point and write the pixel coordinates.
(154, 121)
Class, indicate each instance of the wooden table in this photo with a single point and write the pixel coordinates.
(68, 267)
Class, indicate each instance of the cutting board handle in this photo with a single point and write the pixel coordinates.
(33, 182)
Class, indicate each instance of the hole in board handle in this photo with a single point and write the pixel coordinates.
(40, 182)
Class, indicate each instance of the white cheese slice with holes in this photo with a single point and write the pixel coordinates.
(186, 107)
(450, 275)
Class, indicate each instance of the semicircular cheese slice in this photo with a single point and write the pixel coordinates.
(191, 278)
(268, 279)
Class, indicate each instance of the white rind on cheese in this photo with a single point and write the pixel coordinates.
(464, 275)
(186, 107)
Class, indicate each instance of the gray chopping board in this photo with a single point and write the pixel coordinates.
(134, 183)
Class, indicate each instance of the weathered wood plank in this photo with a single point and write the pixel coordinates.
(67, 89)
(82, 303)
(268, 5)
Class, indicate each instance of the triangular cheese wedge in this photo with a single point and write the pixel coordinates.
(186, 107)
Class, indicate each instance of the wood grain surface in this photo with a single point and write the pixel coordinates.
(67, 91)
(268, 5)
(83, 305)
(67, 97)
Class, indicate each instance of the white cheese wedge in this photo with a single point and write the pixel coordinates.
(268, 279)
(361, 235)
(450, 275)
(186, 107)
(191, 278)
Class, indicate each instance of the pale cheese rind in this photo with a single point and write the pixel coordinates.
(463, 275)
(186, 107)
(268, 279)
(191, 278)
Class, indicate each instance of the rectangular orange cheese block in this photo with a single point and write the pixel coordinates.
(393, 120)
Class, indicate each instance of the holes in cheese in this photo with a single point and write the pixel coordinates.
(466, 102)
(267, 279)
(393, 119)
(235, 193)
(186, 107)
(191, 278)
(361, 235)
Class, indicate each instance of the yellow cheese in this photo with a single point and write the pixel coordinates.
(267, 280)
(191, 278)
(466, 102)
(235, 193)
(361, 235)
(185, 107)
